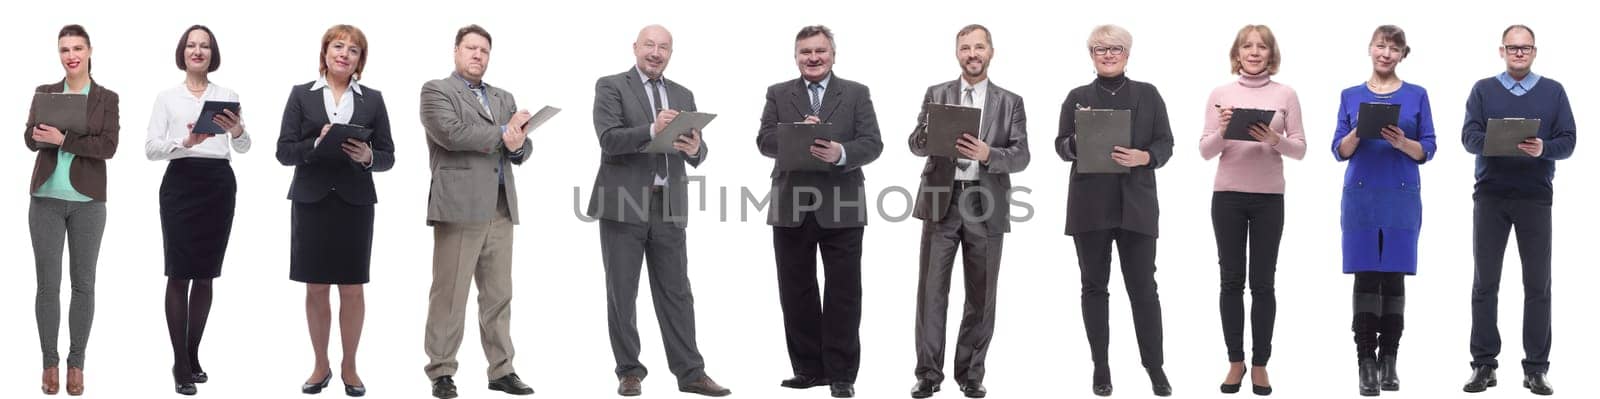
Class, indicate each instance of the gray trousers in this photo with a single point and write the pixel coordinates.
(660, 244)
(980, 254)
(79, 226)
(464, 253)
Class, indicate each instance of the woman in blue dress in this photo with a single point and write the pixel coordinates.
(1381, 210)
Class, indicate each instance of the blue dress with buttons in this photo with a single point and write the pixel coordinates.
(1381, 210)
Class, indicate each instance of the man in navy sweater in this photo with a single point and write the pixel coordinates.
(1515, 191)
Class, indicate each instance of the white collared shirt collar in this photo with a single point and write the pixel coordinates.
(322, 81)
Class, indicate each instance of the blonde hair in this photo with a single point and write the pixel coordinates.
(1266, 37)
(1110, 35)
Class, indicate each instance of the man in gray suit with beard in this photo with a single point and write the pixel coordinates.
(965, 203)
(642, 204)
(475, 133)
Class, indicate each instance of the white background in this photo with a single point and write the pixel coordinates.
(728, 53)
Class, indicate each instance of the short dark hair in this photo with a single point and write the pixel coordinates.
(966, 30)
(1515, 27)
(814, 30)
(183, 41)
(76, 30)
(473, 29)
(1393, 34)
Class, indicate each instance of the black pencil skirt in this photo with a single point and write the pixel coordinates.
(197, 199)
(330, 241)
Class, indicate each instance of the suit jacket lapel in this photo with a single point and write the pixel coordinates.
(467, 95)
(991, 114)
(830, 99)
(638, 90)
(96, 93)
(800, 97)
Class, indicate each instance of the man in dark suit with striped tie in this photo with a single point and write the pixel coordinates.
(822, 212)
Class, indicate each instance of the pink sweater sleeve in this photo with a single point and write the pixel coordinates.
(1294, 142)
(1211, 140)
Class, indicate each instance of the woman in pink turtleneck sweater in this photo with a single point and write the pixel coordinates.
(1247, 204)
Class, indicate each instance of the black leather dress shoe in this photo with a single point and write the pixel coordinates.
(313, 388)
(1482, 378)
(1102, 389)
(924, 388)
(1158, 382)
(842, 389)
(1536, 383)
(511, 384)
(444, 387)
(973, 390)
(802, 381)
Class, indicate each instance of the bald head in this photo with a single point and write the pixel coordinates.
(652, 50)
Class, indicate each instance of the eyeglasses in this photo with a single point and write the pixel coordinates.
(1519, 49)
(1103, 50)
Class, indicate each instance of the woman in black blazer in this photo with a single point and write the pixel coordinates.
(1103, 209)
(333, 196)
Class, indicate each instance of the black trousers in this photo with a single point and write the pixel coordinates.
(1379, 303)
(1138, 256)
(1492, 222)
(822, 332)
(980, 255)
(1253, 223)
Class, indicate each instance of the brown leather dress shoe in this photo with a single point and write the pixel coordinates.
(51, 381)
(630, 386)
(705, 386)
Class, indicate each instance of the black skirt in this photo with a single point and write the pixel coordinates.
(330, 241)
(197, 199)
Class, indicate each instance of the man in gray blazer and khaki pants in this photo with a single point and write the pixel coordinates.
(965, 203)
(475, 133)
(641, 202)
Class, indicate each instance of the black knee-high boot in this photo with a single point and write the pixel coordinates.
(1390, 326)
(1365, 325)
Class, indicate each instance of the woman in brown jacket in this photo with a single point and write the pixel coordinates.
(69, 206)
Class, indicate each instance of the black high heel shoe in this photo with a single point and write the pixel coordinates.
(355, 391)
(1234, 387)
(200, 377)
(316, 388)
(1158, 382)
(181, 386)
(1259, 390)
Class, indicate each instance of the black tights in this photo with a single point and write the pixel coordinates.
(188, 305)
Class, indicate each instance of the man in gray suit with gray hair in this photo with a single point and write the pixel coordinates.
(641, 201)
(475, 133)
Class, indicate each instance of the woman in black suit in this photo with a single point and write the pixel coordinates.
(1121, 209)
(333, 196)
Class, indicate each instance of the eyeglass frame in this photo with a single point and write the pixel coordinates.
(1113, 50)
(1519, 50)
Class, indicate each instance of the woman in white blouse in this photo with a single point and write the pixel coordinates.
(197, 195)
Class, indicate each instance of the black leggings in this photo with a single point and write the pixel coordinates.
(1247, 224)
(187, 310)
(1379, 304)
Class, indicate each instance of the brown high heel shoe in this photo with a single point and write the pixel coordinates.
(51, 382)
(74, 381)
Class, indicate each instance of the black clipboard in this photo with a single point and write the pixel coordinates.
(1373, 117)
(1502, 136)
(204, 124)
(1099, 131)
(946, 124)
(330, 146)
(1243, 118)
(794, 146)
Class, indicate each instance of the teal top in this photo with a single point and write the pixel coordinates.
(59, 186)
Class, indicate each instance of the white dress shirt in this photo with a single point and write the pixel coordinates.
(175, 109)
(338, 114)
(979, 99)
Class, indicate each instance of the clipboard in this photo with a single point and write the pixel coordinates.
(794, 146)
(204, 124)
(682, 125)
(1373, 117)
(1503, 135)
(68, 113)
(539, 118)
(946, 124)
(1098, 131)
(1243, 118)
(330, 147)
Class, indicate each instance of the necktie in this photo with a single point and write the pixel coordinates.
(966, 100)
(659, 169)
(816, 99)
